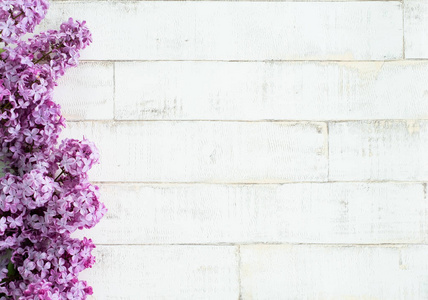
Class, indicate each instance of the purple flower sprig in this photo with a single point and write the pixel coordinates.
(31, 120)
(45, 194)
(18, 17)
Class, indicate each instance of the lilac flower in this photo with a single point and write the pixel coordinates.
(3, 225)
(45, 194)
(15, 222)
(26, 269)
(18, 17)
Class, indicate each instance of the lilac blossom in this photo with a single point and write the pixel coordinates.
(45, 194)
(18, 17)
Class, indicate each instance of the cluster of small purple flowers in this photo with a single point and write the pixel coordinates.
(17, 17)
(45, 194)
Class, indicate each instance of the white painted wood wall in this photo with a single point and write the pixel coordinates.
(255, 150)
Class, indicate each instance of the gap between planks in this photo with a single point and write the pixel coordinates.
(239, 269)
(242, 121)
(297, 1)
(336, 245)
(254, 60)
(254, 183)
(404, 31)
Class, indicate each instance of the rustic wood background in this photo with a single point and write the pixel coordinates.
(255, 150)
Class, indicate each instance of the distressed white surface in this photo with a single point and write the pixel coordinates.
(86, 92)
(173, 181)
(378, 150)
(237, 30)
(207, 151)
(290, 213)
(326, 272)
(271, 90)
(416, 27)
(164, 272)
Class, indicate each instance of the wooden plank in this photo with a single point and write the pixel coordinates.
(379, 150)
(159, 272)
(86, 92)
(237, 30)
(207, 151)
(329, 272)
(415, 28)
(271, 90)
(339, 213)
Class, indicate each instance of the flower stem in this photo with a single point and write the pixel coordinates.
(62, 172)
(43, 57)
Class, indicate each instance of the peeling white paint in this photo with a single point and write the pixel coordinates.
(202, 110)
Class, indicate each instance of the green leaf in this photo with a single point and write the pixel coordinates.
(2, 50)
(11, 270)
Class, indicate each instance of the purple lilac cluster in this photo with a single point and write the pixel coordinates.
(45, 194)
(17, 17)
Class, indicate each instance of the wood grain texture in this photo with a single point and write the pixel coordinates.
(207, 151)
(164, 272)
(340, 213)
(416, 26)
(271, 90)
(378, 150)
(196, 176)
(86, 92)
(237, 30)
(325, 272)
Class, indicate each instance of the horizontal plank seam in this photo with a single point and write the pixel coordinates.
(253, 60)
(242, 121)
(254, 183)
(344, 245)
(293, 1)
